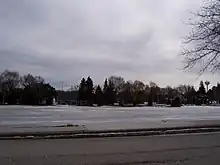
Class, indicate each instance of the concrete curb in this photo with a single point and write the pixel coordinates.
(109, 133)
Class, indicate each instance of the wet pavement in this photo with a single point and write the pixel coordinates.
(197, 149)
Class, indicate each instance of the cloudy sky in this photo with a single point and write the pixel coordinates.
(64, 40)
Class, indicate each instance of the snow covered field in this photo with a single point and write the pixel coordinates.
(30, 116)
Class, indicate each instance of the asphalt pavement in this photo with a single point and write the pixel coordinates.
(194, 149)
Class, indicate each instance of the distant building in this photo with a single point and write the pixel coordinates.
(67, 97)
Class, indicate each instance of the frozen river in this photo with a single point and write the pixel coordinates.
(30, 116)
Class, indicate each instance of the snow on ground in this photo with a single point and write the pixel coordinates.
(23, 116)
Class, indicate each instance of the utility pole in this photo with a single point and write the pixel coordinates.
(62, 83)
(3, 99)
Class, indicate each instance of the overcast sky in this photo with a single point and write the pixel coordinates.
(64, 40)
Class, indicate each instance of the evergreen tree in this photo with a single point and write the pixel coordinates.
(82, 91)
(202, 89)
(105, 84)
(89, 91)
(99, 96)
(110, 94)
(105, 91)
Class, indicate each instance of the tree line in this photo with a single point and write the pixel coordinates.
(33, 90)
(116, 90)
(26, 90)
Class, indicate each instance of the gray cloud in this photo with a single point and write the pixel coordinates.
(66, 40)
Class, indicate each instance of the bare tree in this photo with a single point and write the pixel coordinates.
(139, 85)
(153, 84)
(202, 46)
(29, 80)
(184, 89)
(10, 80)
(76, 87)
(118, 82)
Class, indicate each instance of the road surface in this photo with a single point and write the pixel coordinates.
(197, 149)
